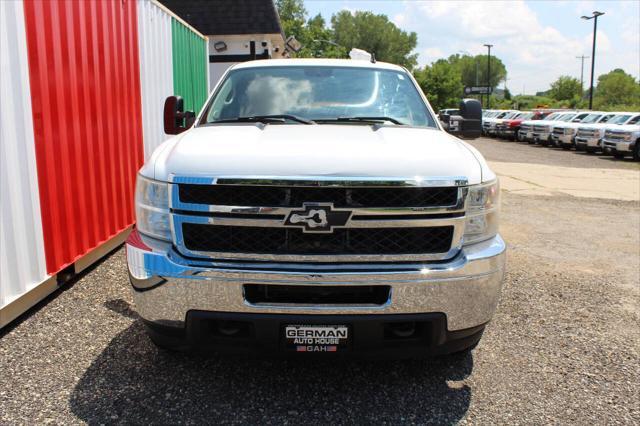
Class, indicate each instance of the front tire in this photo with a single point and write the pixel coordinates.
(636, 151)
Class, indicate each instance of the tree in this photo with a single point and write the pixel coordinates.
(375, 34)
(566, 88)
(442, 84)
(617, 88)
(364, 30)
(292, 16)
(315, 37)
(473, 69)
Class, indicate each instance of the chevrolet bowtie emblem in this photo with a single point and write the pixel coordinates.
(318, 217)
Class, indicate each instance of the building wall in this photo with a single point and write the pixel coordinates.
(156, 70)
(22, 261)
(238, 50)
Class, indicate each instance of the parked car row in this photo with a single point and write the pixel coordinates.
(613, 133)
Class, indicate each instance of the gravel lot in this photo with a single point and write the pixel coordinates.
(564, 346)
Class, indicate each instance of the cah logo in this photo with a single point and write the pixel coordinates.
(315, 217)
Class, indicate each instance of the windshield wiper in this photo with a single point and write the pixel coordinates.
(377, 119)
(275, 118)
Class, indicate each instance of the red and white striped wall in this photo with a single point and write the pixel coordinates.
(83, 85)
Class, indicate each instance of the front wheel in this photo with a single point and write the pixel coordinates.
(636, 151)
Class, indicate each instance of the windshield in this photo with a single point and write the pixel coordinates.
(619, 119)
(634, 120)
(606, 118)
(591, 118)
(318, 93)
(525, 116)
(565, 117)
(552, 117)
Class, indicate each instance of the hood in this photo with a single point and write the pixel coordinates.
(623, 127)
(592, 126)
(569, 125)
(315, 150)
(540, 122)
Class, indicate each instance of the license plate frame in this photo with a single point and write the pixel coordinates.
(317, 338)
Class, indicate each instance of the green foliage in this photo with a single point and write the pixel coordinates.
(363, 30)
(312, 34)
(617, 90)
(376, 34)
(473, 69)
(527, 102)
(442, 84)
(566, 88)
(444, 80)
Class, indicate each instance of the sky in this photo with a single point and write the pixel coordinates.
(538, 41)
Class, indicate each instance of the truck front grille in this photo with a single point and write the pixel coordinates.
(288, 241)
(282, 196)
(586, 133)
(614, 136)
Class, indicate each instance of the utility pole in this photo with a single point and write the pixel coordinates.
(593, 51)
(489, 46)
(582, 58)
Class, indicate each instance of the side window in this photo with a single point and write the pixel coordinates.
(634, 120)
(606, 118)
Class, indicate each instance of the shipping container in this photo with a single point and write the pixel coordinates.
(183, 72)
(189, 66)
(83, 87)
(22, 261)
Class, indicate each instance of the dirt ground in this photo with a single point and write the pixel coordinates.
(564, 345)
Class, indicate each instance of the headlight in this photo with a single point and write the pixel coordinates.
(152, 208)
(483, 205)
(627, 136)
(568, 131)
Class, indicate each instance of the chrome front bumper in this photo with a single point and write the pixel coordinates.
(591, 142)
(466, 288)
(620, 146)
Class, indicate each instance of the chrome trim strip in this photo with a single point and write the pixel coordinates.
(278, 223)
(325, 181)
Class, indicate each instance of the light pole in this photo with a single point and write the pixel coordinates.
(582, 58)
(489, 46)
(593, 51)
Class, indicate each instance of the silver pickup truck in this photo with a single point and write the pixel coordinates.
(317, 206)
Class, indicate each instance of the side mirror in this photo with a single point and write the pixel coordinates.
(176, 119)
(467, 125)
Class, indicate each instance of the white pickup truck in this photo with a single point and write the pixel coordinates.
(621, 140)
(317, 206)
(589, 137)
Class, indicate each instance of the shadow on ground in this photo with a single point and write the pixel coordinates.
(133, 382)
